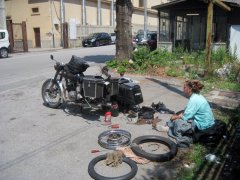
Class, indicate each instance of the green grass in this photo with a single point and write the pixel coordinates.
(214, 83)
(195, 156)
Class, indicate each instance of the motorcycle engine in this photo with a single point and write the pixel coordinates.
(72, 95)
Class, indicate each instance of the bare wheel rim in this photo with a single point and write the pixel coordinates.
(114, 138)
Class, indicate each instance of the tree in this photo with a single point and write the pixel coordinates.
(124, 9)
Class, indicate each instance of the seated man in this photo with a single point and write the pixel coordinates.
(196, 116)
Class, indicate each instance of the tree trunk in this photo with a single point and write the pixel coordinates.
(124, 9)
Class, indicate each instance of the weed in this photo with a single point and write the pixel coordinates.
(196, 157)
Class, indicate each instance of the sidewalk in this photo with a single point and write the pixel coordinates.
(34, 50)
(224, 99)
(217, 98)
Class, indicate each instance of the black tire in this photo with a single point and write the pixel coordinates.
(96, 176)
(48, 95)
(97, 43)
(154, 157)
(3, 53)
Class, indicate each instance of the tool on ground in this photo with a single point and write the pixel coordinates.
(114, 126)
(97, 150)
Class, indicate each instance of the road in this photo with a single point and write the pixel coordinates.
(41, 143)
(23, 68)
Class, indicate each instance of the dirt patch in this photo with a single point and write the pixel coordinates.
(159, 71)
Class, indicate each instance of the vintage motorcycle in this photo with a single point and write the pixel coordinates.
(95, 92)
(70, 84)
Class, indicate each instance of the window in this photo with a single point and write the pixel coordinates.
(181, 28)
(220, 30)
(164, 27)
(2, 35)
(141, 3)
(35, 10)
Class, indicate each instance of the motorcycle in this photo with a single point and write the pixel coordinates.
(71, 85)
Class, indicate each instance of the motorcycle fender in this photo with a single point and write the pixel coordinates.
(61, 89)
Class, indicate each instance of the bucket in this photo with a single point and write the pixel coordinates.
(115, 109)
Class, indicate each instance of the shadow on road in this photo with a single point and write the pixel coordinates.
(86, 113)
(168, 86)
(98, 58)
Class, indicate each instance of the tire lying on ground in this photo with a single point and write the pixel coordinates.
(154, 157)
(96, 176)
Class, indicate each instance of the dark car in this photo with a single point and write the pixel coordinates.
(150, 41)
(97, 39)
(113, 37)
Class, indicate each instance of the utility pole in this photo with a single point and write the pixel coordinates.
(83, 12)
(112, 13)
(53, 41)
(99, 13)
(62, 13)
(2, 15)
(145, 19)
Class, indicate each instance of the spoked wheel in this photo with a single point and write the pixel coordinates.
(51, 95)
(114, 138)
(92, 172)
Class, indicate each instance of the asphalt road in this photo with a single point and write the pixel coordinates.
(39, 143)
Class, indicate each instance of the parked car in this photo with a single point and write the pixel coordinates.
(4, 43)
(97, 39)
(113, 38)
(150, 41)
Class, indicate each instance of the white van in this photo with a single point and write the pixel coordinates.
(4, 43)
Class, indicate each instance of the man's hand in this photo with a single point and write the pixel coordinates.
(174, 117)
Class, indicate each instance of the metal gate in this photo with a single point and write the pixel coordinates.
(17, 36)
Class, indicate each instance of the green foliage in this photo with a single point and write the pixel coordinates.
(121, 69)
(197, 154)
(215, 83)
(174, 71)
(145, 61)
(235, 70)
(112, 63)
(162, 58)
(222, 56)
(196, 157)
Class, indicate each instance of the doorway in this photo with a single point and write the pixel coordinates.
(37, 37)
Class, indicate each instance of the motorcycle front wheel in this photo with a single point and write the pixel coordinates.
(51, 95)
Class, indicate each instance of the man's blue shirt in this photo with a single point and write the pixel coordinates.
(200, 111)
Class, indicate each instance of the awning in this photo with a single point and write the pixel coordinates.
(168, 4)
(175, 2)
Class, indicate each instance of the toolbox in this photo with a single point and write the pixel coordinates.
(93, 86)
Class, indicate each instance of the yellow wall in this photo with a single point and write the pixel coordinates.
(150, 3)
(21, 10)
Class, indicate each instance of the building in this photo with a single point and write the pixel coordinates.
(44, 18)
(185, 23)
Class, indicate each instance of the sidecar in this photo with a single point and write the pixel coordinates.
(130, 94)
